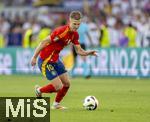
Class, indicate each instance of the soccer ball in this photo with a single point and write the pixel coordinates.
(90, 103)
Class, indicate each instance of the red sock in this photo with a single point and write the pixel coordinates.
(48, 89)
(61, 93)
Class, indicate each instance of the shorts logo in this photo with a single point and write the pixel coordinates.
(53, 72)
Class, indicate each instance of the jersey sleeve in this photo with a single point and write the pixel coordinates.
(76, 39)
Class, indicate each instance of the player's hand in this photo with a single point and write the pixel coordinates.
(93, 52)
(33, 61)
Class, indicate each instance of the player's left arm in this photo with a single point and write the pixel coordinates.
(82, 52)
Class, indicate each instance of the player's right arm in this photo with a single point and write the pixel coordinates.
(82, 52)
(41, 45)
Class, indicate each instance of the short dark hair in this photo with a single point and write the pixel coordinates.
(75, 15)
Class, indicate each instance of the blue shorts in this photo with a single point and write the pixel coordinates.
(51, 70)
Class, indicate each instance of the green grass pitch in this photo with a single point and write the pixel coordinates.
(120, 99)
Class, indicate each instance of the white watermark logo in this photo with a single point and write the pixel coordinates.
(24, 107)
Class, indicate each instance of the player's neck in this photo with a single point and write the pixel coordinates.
(70, 29)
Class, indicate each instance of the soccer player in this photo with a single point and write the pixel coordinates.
(48, 58)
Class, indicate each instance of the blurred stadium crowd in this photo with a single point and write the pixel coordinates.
(111, 23)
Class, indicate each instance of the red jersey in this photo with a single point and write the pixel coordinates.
(60, 37)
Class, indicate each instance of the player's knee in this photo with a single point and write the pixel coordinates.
(66, 84)
(58, 87)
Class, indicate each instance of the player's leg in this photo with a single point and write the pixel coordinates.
(62, 92)
(63, 76)
(54, 86)
(50, 73)
(55, 83)
(66, 84)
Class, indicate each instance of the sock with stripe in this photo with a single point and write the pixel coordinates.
(47, 89)
(61, 93)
